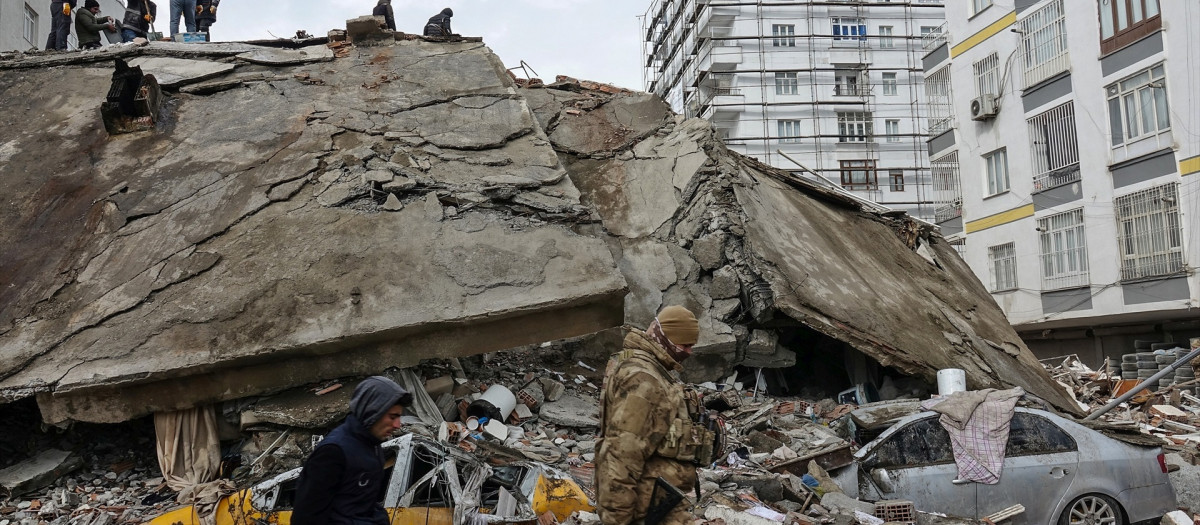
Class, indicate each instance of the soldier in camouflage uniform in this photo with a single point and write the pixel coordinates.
(649, 423)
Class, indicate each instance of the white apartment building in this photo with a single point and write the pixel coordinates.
(25, 24)
(1065, 145)
(824, 87)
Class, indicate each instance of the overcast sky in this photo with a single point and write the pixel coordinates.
(587, 39)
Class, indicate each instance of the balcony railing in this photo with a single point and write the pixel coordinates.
(935, 38)
(1056, 178)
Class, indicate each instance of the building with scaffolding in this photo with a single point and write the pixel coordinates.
(1065, 145)
(827, 89)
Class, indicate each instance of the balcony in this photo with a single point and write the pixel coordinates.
(1056, 178)
(720, 55)
(934, 39)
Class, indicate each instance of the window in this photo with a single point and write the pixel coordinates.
(849, 29)
(1002, 266)
(30, 26)
(1030, 434)
(889, 84)
(849, 82)
(978, 6)
(786, 84)
(885, 37)
(854, 126)
(785, 35)
(897, 180)
(947, 188)
(1064, 251)
(1044, 43)
(928, 30)
(923, 442)
(1149, 232)
(997, 171)
(986, 82)
(1054, 148)
(891, 127)
(789, 131)
(939, 101)
(859, 175)
(1123, 22)
(1137, 106)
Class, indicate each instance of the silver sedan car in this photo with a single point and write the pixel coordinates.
(1062, 472)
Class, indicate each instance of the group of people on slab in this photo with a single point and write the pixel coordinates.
(197, 15)
(438, 25)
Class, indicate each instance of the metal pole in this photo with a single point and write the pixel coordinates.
(1125, 397)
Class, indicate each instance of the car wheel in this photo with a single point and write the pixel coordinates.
(1092, 509)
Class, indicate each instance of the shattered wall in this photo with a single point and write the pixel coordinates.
(298, 217)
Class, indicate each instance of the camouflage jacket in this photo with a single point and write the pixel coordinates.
(646, 433)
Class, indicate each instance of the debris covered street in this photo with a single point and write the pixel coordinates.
(187, 307)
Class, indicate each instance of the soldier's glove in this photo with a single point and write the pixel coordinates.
(66, 9)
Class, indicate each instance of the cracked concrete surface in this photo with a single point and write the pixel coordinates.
(297, 218)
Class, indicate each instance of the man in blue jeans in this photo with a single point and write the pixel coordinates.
(60, 24)
(187, 8)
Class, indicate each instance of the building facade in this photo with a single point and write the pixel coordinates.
(25, 24)
(825, 89)
(1065, 151)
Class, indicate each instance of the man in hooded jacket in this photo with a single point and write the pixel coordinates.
(650, 424)
(206, 14)
(439, 24)
(343, 482)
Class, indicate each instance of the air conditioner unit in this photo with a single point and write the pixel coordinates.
(984, 107)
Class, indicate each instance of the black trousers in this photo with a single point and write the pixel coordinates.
(60, 27)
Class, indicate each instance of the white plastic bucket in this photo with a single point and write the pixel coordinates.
(500, 397)
(951, 380)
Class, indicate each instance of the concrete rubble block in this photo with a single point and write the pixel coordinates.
(175, 72)
(841, 503)
(615, 125)
(1177, 517)
(39, 471)
(649, 269)
(709, 250)
(632, 197)
(367, 30)
(762, 342)
(377, 176)
(553, 390)
(768, 488)
(571, 411)
(725, 309)
(392, 203)
(728, 516)
(269, 56)
(399, 184)
(541, 201)
(468, 123)
(725, 284)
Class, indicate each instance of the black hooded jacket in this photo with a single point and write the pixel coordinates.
(385, 10)
(343, 480)
(439, 24)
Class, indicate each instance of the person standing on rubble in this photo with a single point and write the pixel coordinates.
(206, 15)
(439, 24)
(60, 24)
(89, 26)
(186, 8)
(384, 9)
(139, 14)
(651, 426)
(343, 482)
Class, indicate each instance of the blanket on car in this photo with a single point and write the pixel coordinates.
(978, 424)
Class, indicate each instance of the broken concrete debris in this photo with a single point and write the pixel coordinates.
(245, 255)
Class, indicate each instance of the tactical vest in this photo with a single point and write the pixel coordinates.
(692, 436)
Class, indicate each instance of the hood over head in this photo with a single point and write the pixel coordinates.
(448, 12)
(374, 396)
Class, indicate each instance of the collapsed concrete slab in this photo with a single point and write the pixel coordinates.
(38, 471)
(406, 201)
(241, 249)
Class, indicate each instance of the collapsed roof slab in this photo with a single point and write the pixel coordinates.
(242, 247)
(750, 248)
